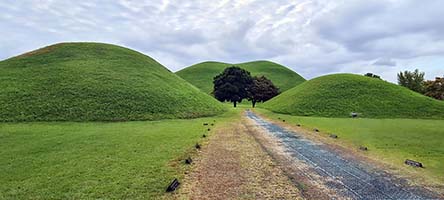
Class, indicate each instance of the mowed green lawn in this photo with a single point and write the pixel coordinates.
(131, 160)
(390, 140)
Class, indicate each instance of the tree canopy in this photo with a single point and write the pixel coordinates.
(372, 75)
(412, 80)
(232, 85)
(262, 90)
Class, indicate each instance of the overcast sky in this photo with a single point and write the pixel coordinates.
(313, 37)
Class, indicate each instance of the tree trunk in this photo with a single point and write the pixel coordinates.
(253, 102)
(234, 103)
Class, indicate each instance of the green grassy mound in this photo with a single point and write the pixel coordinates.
(340, 94)
(201, 75)
(95, 82)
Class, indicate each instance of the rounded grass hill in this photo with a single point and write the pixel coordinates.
(338, 95)
(95, 82)
(201, 75)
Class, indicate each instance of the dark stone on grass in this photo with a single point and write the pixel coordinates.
(188, 161)
(298, 125)
(205, 124)
(363, 148)
(209, 129)
(354, 115)
(333, 136)
(316, 130)
(413, 163)
(283, 120)
(212, 124)
(173, 185)
(204, 136)
(197, 146)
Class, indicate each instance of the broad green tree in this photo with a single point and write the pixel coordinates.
(262, 90)
(412, 80)
(232, 85)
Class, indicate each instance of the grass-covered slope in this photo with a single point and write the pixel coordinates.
(95, 82)
(94, 160)
(388, 140)
(340, 94)
(201, 75)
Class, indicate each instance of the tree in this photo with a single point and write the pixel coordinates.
(262, 90)
(435, 88)
(372, 75)
(412, 80)
(232, 85)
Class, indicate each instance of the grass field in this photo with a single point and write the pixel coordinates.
(338, 95)
(389, 140)
(95, 82)
(91, 160)
(201, 75)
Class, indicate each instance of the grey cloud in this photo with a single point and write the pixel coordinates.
(374, 26)
(385, 62)
(314, 37)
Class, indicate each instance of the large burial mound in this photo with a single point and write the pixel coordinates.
(340, 94)
(95, 82)
(201, 75)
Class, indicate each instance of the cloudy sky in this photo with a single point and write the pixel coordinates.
(313, 37)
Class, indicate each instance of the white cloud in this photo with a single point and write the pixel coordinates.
(385, 62)
(314, 37)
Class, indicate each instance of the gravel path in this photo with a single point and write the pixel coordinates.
(234, 166)
(349, 178)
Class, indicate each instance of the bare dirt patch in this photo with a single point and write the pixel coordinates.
(234, 166)
(308, 182)
(38, 51)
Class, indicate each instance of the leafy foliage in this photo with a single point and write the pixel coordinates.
(201, 75)
(95, 82)
(340, 94)
(412, 80)
(232, 85)
(435, 88)
(372, 75)
(262, 90)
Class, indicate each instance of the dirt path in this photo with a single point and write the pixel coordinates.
(234, 166)
(324, 174)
